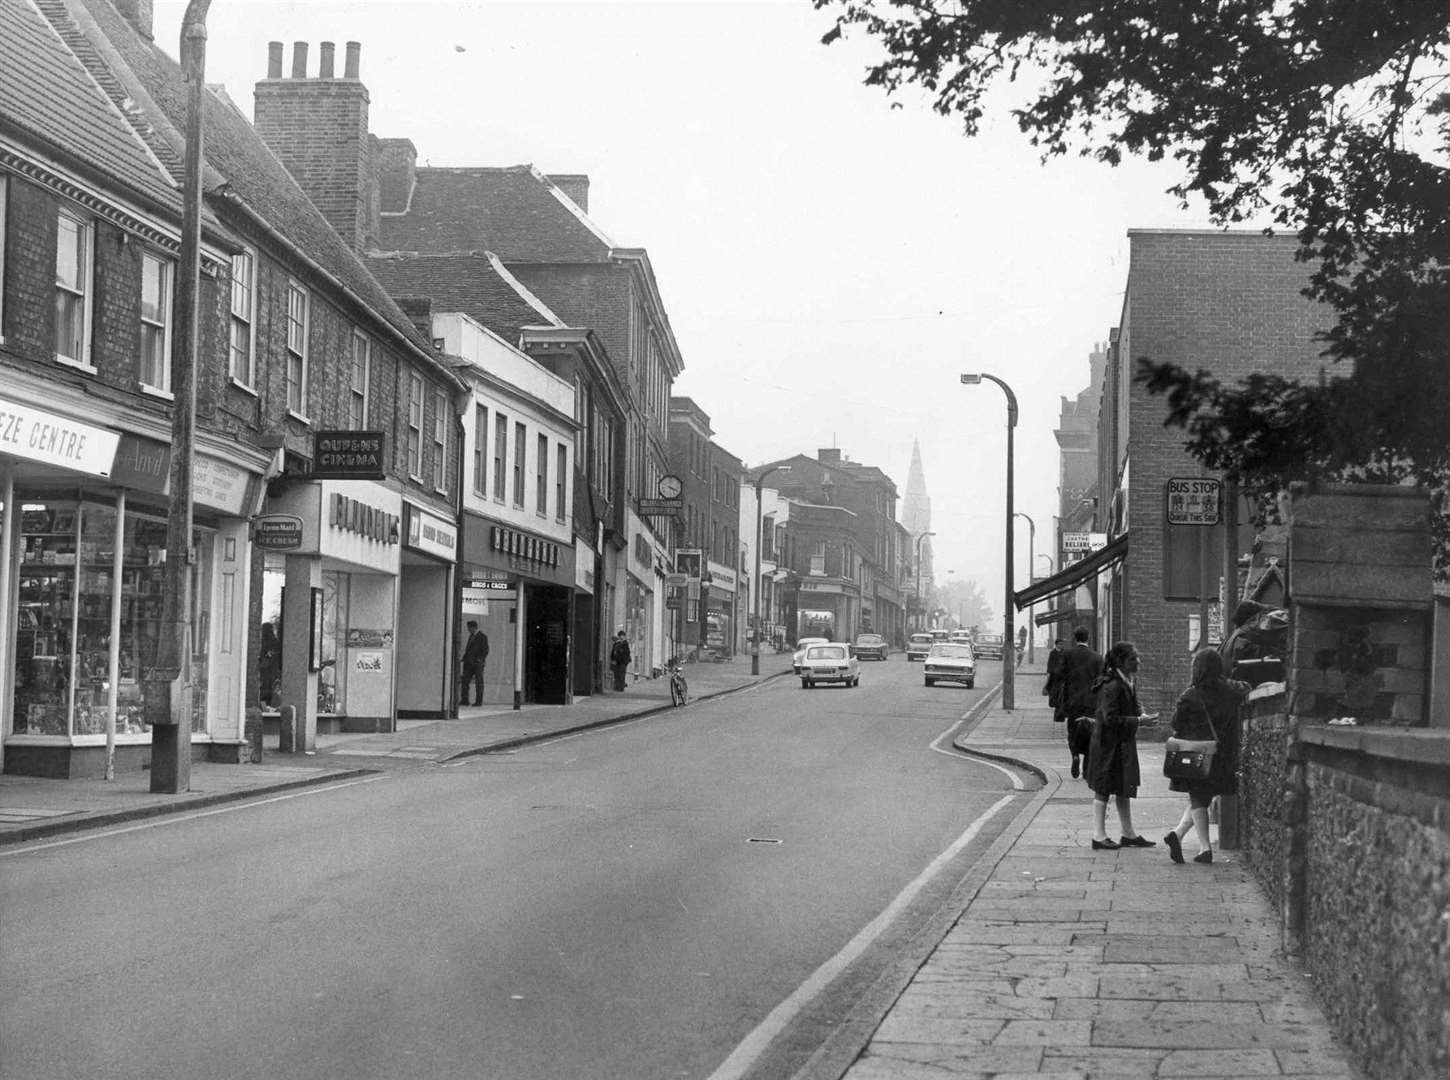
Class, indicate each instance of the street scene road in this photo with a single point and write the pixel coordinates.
(629, 902)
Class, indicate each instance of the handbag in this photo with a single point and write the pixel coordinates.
(1190, 759)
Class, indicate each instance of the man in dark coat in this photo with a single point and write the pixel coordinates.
(475, 652)
(1053, 686)
(619, 658)
(1080, 668)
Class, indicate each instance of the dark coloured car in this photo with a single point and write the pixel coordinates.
(871, 647)
(988, 646)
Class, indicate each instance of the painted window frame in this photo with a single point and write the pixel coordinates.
(500, 455)
(159, 324)
(299, 333)
(82, 293)
(242, 369)
(541, 476)
(358, 396)
(521, 457)
(440, 438)
(415, 426)
(480, 450)
(561, 488)
(4, 220)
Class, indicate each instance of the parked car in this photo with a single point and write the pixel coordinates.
(988, 646)
(918, 645)
(830, 662)
(941, 635)
(800, 650)
(961, 637)
(871, 647)
(950, 662)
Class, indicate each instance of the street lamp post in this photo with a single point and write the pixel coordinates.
(1031, 558)
(919, 539)
(1008, 652)
(755, 635)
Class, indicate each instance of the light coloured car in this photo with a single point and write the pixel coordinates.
(800, 650)
(950, 662)
(871, 647)
(831, 662)
(961, 637)
(918, 645)
(988, 646)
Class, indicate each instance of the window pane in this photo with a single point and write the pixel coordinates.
(480, 439)
(70, 254)
(521, 433)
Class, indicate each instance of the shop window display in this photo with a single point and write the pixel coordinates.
(84, 636)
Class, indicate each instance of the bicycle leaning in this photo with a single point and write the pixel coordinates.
(679, 689)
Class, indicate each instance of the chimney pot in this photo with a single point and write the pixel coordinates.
(299, 60)
(354, 50)
(274, 59)
(324, 60)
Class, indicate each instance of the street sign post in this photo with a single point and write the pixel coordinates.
(1194, 500)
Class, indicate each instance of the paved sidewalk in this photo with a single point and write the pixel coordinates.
(1074, 963)
(33, 807)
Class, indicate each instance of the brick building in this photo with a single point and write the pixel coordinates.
(296, 338)
(1230, 303)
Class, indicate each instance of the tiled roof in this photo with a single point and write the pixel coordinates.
(48, 92)
(515, 212)
(469, 282)
(252, 175)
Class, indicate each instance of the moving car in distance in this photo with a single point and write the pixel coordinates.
(988, 646)
(829, 662)
(941, 635)
(800, 650)
(871, 647)
(950, 662)
(918, 645)
(961, 637)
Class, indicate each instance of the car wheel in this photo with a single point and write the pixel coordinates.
(805, 684)
(971, 684)
(930, 682)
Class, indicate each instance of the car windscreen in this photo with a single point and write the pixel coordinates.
(960, 652)
(922, 639)
(825, 652)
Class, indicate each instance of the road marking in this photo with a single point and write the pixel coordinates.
(951, 750)
(754, 1045)
(173, 819)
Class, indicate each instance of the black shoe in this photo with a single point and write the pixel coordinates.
(1175, 847)
(1105, 845)
(1204, 857)
(1075, 769)
(1136, 841)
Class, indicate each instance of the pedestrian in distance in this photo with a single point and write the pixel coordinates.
(619, 657)
(1052, 685)
(1112, 769)
(1081, 667)
(475, 652)
(1208, 709)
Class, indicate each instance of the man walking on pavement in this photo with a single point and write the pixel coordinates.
(475, 652)
(619, 657)
(1080, 667)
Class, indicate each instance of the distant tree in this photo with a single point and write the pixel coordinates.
(965, 601)
(1331, 117)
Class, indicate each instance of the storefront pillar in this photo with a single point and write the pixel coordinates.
(299, 670)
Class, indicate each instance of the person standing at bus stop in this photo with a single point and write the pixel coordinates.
(1079, 670)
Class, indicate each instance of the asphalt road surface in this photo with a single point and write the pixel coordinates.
(704, 893)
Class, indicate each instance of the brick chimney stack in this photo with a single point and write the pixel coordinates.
(318, 128)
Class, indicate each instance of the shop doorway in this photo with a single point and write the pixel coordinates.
(546, 656)
(583, 646)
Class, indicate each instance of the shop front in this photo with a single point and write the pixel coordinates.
(83, 553)
(588, 638)
(827, 609)
(720, 612)
(330, 603)
(519, 587)
(425, 685)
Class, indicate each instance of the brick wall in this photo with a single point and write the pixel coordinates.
(1226, 302)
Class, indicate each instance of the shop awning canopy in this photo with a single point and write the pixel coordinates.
(1070, 577)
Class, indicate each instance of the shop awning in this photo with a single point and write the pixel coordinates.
(1070, 577)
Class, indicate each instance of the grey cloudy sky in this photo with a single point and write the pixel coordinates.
(830, 264)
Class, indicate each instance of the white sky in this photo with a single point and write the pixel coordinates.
(830, 265)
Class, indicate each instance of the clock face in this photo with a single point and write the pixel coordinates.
(670, 487)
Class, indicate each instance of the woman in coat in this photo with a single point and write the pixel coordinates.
(1208, 709)
(1112, 769)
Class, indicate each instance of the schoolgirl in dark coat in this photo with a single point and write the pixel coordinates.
(1112, 769)
(1208, 709)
